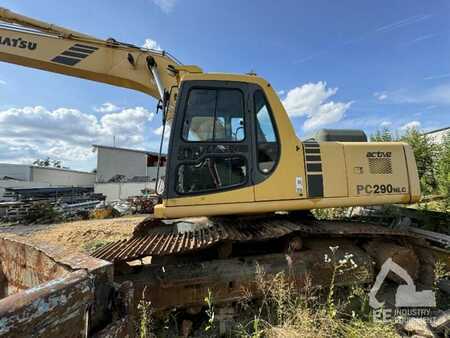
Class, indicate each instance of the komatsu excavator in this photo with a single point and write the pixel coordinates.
(233, 156)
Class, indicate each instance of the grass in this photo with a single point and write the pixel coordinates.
(277, 307)
(287, 311)
(283, 310)
(91, 246)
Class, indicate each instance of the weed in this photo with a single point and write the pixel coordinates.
(91, 246)
(288, 311)
(145, 318)
(210, 311)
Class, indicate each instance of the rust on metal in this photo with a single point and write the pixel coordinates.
(187, 284)
(54, 309)
(165, 243)
(48, 291)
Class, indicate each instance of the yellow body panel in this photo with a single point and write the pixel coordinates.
(333, 164)
(236, 195)
(356, 158)
(162, 211)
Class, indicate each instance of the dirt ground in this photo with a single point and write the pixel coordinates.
(78, 235)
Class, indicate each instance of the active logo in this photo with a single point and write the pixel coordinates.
(379, 154)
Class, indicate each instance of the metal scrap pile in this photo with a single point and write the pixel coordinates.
(117, 208)
(47, 205)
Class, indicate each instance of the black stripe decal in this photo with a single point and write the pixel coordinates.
(314, 175)
(82, 50)
(314, 167)
(85, 46)
(311, 145)
(315, 186)
(313, 158)
(312, 151)
(75, 55)
(65, 60)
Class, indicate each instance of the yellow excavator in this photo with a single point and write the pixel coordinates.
(232, 147)
(236, 167)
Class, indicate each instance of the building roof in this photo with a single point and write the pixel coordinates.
(153, 153)
(49, 168)
(437, 130)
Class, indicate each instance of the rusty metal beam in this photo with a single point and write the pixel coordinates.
(51, 290)
(56, 309)
(185, 285)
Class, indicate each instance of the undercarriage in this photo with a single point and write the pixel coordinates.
(174, 264)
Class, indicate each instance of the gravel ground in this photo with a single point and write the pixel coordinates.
(77, 235)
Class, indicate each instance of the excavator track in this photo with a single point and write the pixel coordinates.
(165, 240)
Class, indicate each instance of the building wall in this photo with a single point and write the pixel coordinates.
(151, 172)
(438, 137)
(117, 191)
(56, 176)
(16, 171)
(111, 162)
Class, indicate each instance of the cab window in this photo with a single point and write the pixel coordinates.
(267, 145)
(214, 115)
(213, 173)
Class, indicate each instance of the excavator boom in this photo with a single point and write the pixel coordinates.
(36, 44)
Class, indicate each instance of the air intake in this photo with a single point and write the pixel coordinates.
(380, 166)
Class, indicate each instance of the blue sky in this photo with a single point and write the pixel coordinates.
(343, 64)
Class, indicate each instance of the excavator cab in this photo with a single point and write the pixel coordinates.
(223, 138)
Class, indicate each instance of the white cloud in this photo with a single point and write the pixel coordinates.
(281, 92)
(437, 77)
(66, 134)
(310, 100)
(151, 44)
(158, 131)
(411, 125)
(403, 23)
(2, 82)
(107, 107)
(380, 95)
(385, 124)
(128, 121)
(438, 95)
(165, 5)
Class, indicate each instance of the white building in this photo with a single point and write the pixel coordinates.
(46, 175)
(122, 172)
(28, 176)
(437, 136)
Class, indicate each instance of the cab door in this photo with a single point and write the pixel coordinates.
(279, 168)
(210, 145)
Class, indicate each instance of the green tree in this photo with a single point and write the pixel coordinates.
(443, 168)
(383, 135)
(427, 154)
(432, 160)
(48, 163)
